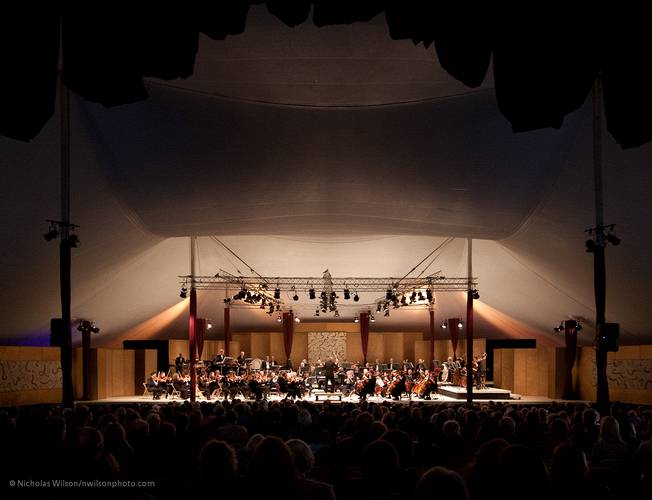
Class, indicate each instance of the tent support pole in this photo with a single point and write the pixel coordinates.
(599, 266)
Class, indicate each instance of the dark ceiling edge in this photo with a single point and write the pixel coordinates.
(216, 95)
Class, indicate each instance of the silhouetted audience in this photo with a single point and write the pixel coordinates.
(327, 451)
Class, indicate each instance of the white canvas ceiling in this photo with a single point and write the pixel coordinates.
(304, 149)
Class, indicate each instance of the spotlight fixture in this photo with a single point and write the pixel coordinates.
(209, 325)
(356, 297)
(429, 295)
(590, 246)
(73, 240)
(444, 325)
(559, 328)
(578, 326)
(613, 239)
(87, 326)
(297, 319)
(337, 313)
(421, 297)
(371, 317)
(460, 325)
(476, 294)
(51, 234)
(387, 312)
(227, 300)
(316, 312)
(347, 294)
(271, 309)
(296, 297)
(356, 319)
(388, 294)
(279, 318)
(311, 293)
(403, 301)
(277, 293)
(184, 292)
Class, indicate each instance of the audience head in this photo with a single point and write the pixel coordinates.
(218, 461)
(302, 456)
(442, 482)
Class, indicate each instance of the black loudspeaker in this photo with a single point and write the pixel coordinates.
(608, 336)
(56, 332)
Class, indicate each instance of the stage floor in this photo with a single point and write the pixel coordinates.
(488, 393)
(440, 399)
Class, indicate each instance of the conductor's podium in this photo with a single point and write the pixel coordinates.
(327, 396)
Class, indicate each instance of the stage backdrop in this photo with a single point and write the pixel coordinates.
(324, 344)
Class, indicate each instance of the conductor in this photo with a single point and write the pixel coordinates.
(330, 367)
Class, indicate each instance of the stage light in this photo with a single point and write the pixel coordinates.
(73, 240)
(296, 297)
(403, 300)
(316, 312)
(378, 307)
(613, 239)
(337, 313)
(311, 293)
(590, 246)
(87, 326)
(277, 293)
(388, 294)
(297, 319)
(209, 325)
(578, 327)
(347, 294)
(227, 300)
(279, 319)
(356, 319)
(271, 309)
(444, 325)
(429, 295)
(356, 298)
(51, 234)
(421, 297)
(476, 294)
(460, 325)
(386, 313)
(184, 292)
(413, 297)
(371, 317)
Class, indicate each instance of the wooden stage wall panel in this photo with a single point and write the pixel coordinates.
(629, 373)
(31, 375)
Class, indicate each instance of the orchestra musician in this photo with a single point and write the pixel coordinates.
(482, 371)
(241, 362)
(392, 365)
(275, 364)
(179, 361)
(397, 387)
(218, 360)
(267, 364)
(154, 387)
(304, 367)
(421, 365)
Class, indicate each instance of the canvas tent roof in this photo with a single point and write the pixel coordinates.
(305, 148)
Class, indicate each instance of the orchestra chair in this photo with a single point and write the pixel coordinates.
(146, 389)
(175, 393)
